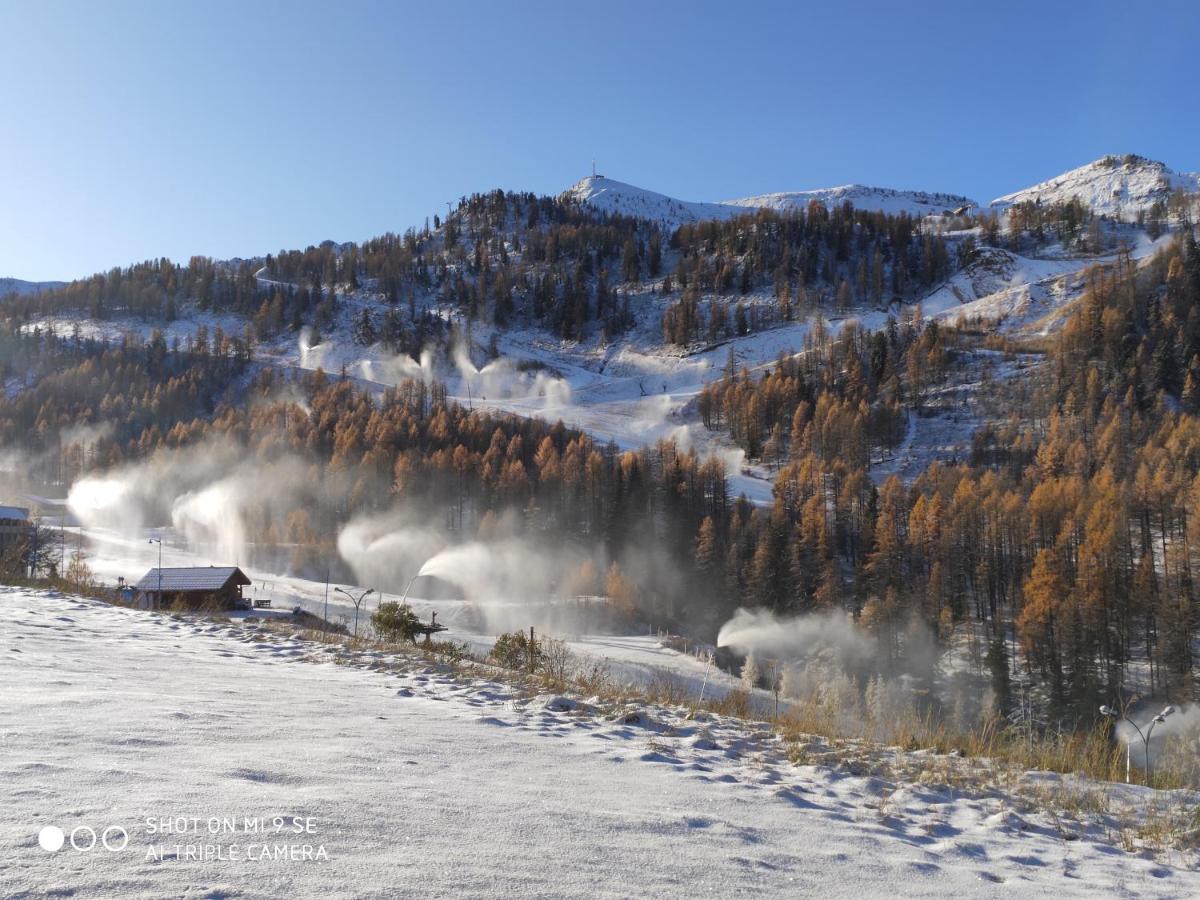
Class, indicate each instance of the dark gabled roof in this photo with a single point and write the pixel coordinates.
(210, 578)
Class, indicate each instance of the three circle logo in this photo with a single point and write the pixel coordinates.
(83, 838)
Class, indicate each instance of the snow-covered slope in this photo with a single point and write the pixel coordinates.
(886, 200)
(611, 196)
(608, 195)
(19, 286)
(168, 736)
(1118, 186)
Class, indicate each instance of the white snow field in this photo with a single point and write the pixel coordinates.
(410, 782)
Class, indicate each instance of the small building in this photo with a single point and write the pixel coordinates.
(197, 587)
(15, 526)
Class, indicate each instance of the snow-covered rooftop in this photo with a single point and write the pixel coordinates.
(210, 578)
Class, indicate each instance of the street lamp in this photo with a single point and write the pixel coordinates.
(1111, 713)
(357, 603)
(158, 599)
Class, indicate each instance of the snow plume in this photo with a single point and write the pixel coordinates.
(864, 686)
(11, 462)
(394, 369)
(831, 634)
(1174, 742)
(215, 515)
(507, 579)
(500, 379)
(387, 551)
(511, 580)
(653, 411)
(106, 502)
(503, 379)
(210, 493)
(85, 435)
(212, 517)
(312, 356)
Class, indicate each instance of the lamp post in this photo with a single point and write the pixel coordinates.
(326, 598)
(158, 599)
(357, 603)
(1111, 713)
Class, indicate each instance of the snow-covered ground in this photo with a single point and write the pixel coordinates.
(636, 660)
(381, 778)
(112, 330)
(1019, 293)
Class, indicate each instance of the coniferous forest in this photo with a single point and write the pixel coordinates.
(1061, 548)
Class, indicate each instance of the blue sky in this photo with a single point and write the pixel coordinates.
(137, 130)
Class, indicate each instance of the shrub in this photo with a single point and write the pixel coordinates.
(555, 661)
(394, 622)
(513, 651)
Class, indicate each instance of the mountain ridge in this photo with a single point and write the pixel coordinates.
(618, 197)
(24, 288)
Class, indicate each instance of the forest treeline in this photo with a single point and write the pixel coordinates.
(1070, 534)
(550, 262)
(91, 404)
(1063, 548)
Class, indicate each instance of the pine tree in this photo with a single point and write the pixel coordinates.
(364, 327)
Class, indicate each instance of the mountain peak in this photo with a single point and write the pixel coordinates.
(611, 196)
(1118, 186)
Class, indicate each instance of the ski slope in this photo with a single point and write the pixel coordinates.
(417, 783)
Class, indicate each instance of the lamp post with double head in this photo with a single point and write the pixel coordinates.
(357, 601)
(1109, 712)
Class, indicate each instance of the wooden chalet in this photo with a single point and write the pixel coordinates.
(194, 588)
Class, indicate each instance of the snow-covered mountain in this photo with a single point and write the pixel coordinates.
(886, 200)
(19, 286)
(611, 196)
(1118, 186)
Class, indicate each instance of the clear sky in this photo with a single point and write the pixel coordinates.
(136, 130)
